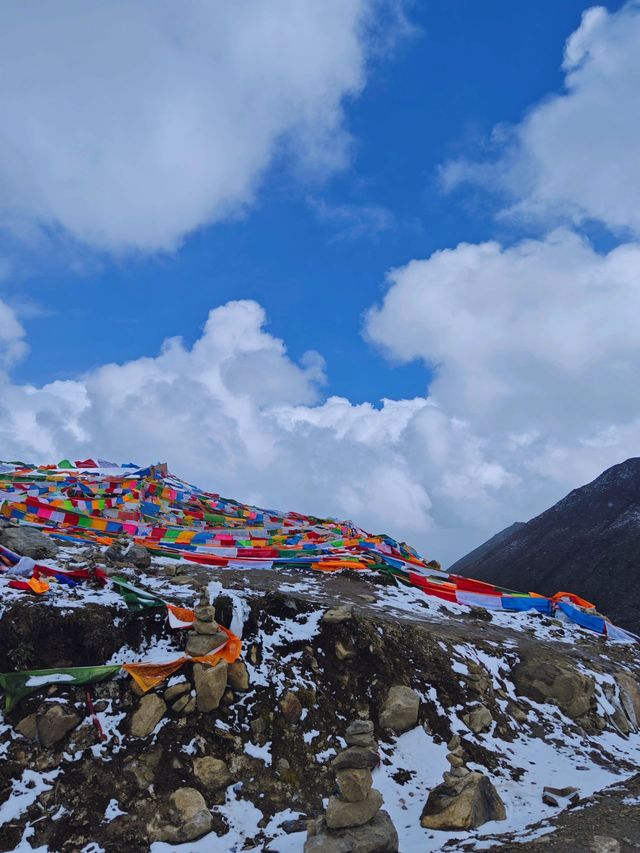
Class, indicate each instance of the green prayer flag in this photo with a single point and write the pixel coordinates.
(17, 685)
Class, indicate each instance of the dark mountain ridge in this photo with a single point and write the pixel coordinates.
(587, 543)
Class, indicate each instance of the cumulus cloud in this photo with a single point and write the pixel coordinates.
(129, 125)
(574, 155)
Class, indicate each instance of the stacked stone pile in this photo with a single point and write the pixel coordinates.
(353, 821)
(465, 799)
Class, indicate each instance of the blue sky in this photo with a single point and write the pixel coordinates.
(466, 67)
(438, 199)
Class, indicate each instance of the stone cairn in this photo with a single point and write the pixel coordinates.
(464, 800)
(354, 819)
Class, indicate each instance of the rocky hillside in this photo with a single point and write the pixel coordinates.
(588, 542)
(361, 716)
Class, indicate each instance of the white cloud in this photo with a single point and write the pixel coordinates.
(130, 124)
(574, 156)
(12, 344)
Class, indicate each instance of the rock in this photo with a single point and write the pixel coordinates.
(354, 784)
(184, 819)
(455, 760)
(258, 726)
(400, 710)
(629, 697)
(126, 551)
(359, 757)
(545, 680)
(377, 836)
(203, 644)
(290, 707)
(205, 627)
(55, 723)
(28, 542)
(479, 719)
(210, 685)
(147, 715)
(212, 773)
(238, 675)
(176, 690)
(144, 768)
(343, 652)
(605, 844)
(470, 803)
(27, 727)
(182, 703)
(554, 796)
(335, 615)
(360, 733)
(205, 613)
(341, 814)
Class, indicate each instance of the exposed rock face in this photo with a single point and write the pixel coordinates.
(377, 836)
(55, 723)
(472, 802)
(400, 710)
(343, 813)
(28, 542)
(556, 681)
(567, 547)
(629, 697)
(147, 715)
(211, 772)
(210, 684)
(184, 818)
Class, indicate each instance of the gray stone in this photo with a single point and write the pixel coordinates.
(147, 715)
(341, 813)
(205, 613)
(290, 707)
(201, 627)
(28, 542)
(605, 844)
(360, 733)
(239, 675)
(354, 784)
(27, 727)
(343, 652)
(479, 719)
(377, 836)
(335, 615)
(455, 760)
(55, 723)
(126, 551)
(176, 690)
(400, 709)
(629, 698)
(545, 680)
(185, 818)
(210, 685)
(469, 803)
(182, 703)
(212, 773)
(358, 757)
(258, 726)
(203, 644)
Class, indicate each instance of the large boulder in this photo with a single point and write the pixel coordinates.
(400, 709)
(55, 723)
(151, 709)
(470, 802)
(28, 542)
(184, 817)
(377, 836)
(210, 684)
(557, 681)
